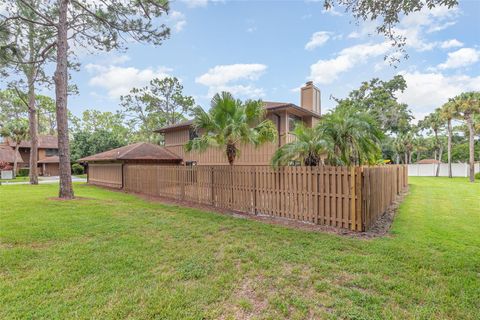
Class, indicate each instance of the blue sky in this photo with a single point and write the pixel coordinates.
(268, 49)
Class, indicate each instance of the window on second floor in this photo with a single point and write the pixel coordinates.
(292, 122)
(51, 152)
(192, 134)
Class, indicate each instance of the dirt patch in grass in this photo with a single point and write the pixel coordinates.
(74, 199)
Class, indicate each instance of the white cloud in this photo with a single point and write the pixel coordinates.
(460, 58)
(226, 78)
(198, 3)
(195, 3)
(178, 20)
(427, 91)
(327, 71)
(452, 43)
(318, 39)
(120, 80)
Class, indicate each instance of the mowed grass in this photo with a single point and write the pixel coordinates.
(116, 256)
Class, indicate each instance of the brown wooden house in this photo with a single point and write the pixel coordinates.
(47, 154)
(283, 115)
(107, 168)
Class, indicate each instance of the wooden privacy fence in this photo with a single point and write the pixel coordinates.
(342, 197)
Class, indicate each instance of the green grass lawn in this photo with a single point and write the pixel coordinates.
(116, 256)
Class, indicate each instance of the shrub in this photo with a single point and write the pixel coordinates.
(477, 176)
(5, 166)
(77, 169)
(23, 173)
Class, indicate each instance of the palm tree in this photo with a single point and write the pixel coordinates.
(17, 131)
(354, 135)
(307, 148)
(230, 122)
(447, 113)
(466, 106)
(435, 123)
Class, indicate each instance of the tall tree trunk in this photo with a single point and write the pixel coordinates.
(440, 161)
(410, 156)
(15, 160)
(33, 124)
(406, 157)
(61, 83)
(449, 146)
(471, 145)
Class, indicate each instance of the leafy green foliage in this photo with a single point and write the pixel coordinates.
(308, 147)
(159, 104)
(23, 172)
(88, 143)
(77, 169)
(229, 123)
(378, 98)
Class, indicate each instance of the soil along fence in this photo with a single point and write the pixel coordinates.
(343, 197)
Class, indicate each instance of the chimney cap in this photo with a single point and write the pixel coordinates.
(309, 83)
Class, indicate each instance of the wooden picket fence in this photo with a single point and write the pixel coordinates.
(342, 197)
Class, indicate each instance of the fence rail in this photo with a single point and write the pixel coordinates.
(343, 197)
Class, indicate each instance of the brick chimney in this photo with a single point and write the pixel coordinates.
(310, 97)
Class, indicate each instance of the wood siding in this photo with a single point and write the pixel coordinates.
(249, 154)
(342, 197)
(105, 174)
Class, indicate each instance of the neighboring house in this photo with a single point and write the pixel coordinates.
(283, 115)
(7, 155)
(428, 161)
(47, 153)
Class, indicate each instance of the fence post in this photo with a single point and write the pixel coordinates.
(255, 190)
(353, 210)
(358, 182)
(212, 186)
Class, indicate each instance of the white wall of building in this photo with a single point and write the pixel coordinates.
(429, 170)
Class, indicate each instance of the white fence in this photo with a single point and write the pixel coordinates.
(430, 170)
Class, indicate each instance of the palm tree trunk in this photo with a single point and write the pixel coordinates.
(61, 83)
(406, 157)
(449, 146)
(471, 145)
(440, 160)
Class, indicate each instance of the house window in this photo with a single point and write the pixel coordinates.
(192, 134)
(292, 122)
(51, 152)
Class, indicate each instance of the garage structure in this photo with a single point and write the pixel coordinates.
(107, 168)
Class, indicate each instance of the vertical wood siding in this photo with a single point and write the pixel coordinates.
(105, 174)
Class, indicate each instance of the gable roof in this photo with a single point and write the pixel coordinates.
(268, 105)
(136, 151)
(44, 142)
(7, 154)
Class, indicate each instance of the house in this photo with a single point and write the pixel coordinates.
(283, 115)
(7, 155)
(47, 154)
(107, 168)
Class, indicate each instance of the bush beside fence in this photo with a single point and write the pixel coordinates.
(343, 197)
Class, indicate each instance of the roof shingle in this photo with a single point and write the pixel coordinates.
(136, 151)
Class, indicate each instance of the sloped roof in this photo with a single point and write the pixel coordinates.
(136, 151)
(428, 161)
(7, 154)
(52, 159)
(44, 142)
(268, 105)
